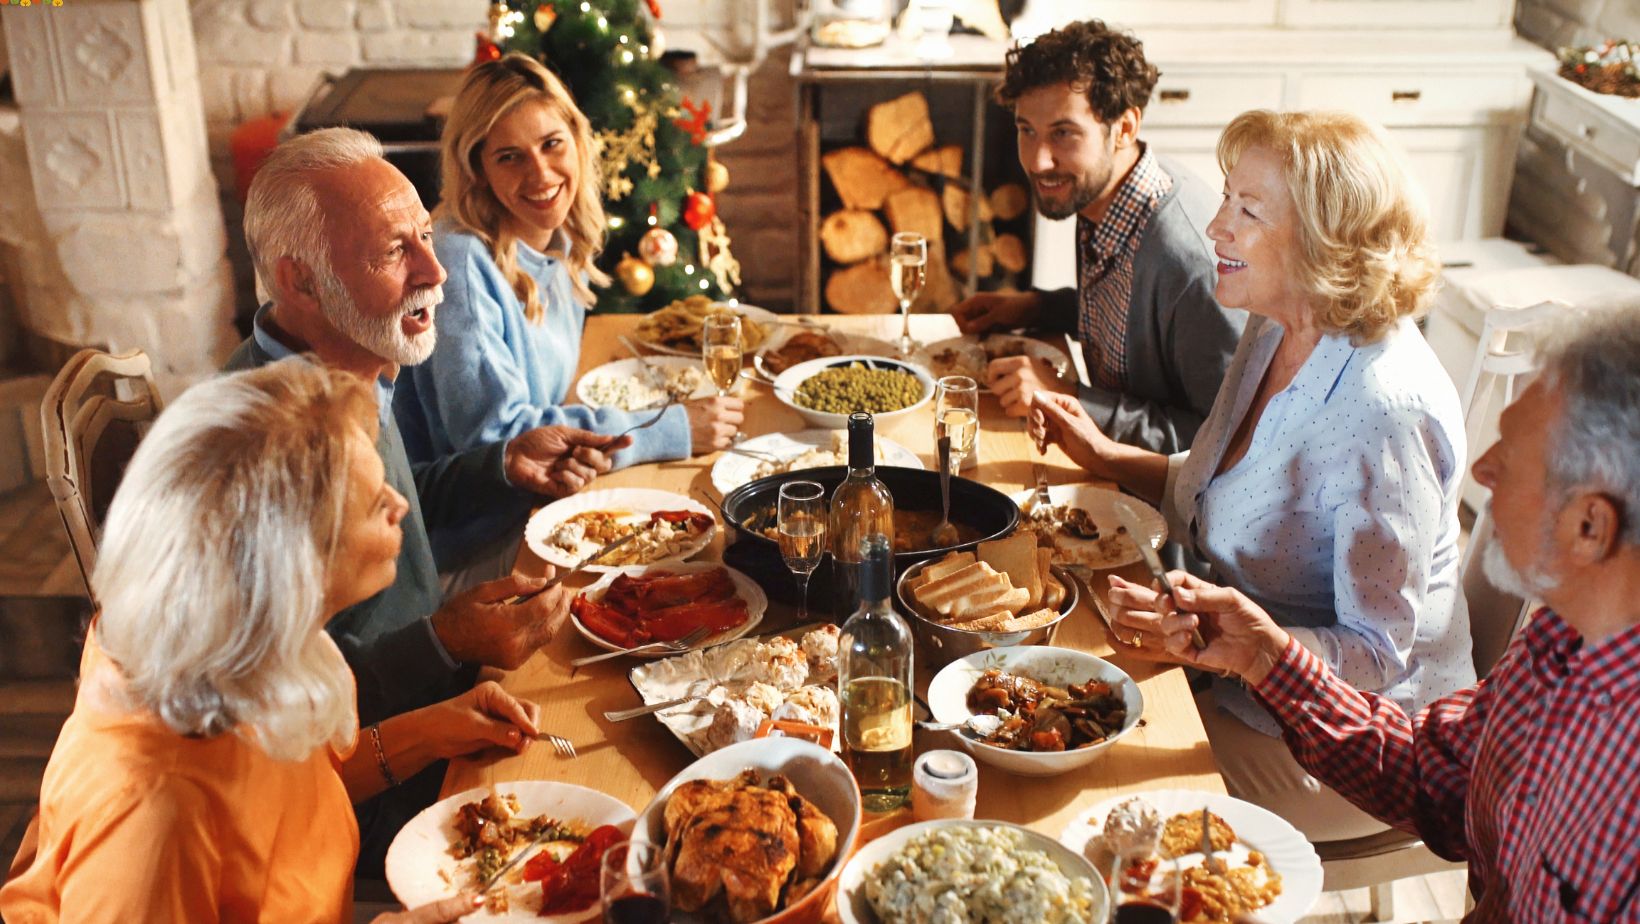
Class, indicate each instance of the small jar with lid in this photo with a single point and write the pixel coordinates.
(850, 23)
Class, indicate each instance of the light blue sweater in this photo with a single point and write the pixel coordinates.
(495, 375)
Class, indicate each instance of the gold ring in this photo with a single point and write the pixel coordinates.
(1135, 641)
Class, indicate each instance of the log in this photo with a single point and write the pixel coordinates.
(915, 209)
(940, 290)
(985, 266)
(946, 161)
(1009, 201)
(1010, 252)
(900, 129)
(863, 288)
(852, 235)
(862, 179)
(957, 200)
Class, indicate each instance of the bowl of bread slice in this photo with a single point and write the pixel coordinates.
(1003, 593)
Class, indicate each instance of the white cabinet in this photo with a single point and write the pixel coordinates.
(1397, 14)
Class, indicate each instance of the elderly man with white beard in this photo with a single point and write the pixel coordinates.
(1532, 774)
(341, 241)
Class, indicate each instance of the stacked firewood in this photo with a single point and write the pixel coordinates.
(904, 182)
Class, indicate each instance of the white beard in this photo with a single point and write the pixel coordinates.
(383, 336)
(1531, 584)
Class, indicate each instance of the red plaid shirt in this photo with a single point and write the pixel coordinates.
(1104, 269)
(1532, 775)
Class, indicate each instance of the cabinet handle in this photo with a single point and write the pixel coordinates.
(1587, 131)
(1406, 96)
(1175, 96)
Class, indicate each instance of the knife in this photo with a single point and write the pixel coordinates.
(495, 879)
(1141, 538)
(557, 579)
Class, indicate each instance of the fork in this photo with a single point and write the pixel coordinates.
(653, 372)
(1039, 471)
(757, 454)
(560, 745)
(1214, 864)
(646, 424)
(694, 637)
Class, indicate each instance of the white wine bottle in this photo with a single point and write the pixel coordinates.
(860, 507)
(874, 686)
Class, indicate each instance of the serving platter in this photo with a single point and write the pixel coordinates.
(750, 312)
(635, 503)
(420, 868)
(731, 470)
(970, 355)
(757, 602)
(846, 343)
(1100, 503)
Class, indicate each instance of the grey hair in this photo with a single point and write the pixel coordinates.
(282, 213)
(212, 571)
(1594, 361)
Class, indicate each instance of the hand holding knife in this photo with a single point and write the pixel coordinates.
(1141, 538)
(559, 578)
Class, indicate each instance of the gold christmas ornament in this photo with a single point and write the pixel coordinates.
(635, 275)
(717, 177)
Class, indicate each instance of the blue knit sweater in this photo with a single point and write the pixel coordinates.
(494, 374)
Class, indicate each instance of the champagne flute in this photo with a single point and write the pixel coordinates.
(720, 349)
(803, 516)
(956, 414)
(908, 270)
(1144, 888)
(633, 887)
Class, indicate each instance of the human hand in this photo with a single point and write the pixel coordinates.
(485, 716)
(1061, 419)
(439, 912)
(558, 461)
(713, 422)
(1241, 637)
(985, 311)
(479, 625)
(1015, 379)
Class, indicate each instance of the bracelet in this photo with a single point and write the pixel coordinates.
(381, 756)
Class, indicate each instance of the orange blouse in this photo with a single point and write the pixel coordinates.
(139, 823)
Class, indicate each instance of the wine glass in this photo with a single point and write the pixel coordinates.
(803, 516)
(908, 270)
(720, 350)
(956, 414)
(633, 887)
(1144, 888)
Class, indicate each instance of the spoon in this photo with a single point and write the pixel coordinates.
(944, 535)
(982, 725)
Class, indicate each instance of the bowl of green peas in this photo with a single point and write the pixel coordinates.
(826, 391)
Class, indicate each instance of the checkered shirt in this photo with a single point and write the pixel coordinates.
(1532, 775)
(1104, 269)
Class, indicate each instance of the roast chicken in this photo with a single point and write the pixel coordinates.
(758, 845)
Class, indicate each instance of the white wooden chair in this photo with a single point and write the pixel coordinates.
(96, 411)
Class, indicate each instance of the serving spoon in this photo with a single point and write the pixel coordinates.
(982, 725)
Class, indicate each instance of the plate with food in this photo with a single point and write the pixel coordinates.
(630, 385)
(971, 355)
(630, 607)
(675, 329)
(785, 677)
(1272, 871)
(797, 451)
(1081, 526)
(799, 343)
(1036, 710)
(989, 871)
(755, 832)
(456, 844)
(827, 391)
(670, 527)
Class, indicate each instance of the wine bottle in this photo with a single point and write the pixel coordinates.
(860, 507)
(874, 686)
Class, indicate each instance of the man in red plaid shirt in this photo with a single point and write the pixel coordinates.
(1533, 774)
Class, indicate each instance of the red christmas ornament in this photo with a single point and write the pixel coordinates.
(698, 210)
(486, 51)
(696, 126)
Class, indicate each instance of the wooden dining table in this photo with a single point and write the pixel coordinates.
(632, 760)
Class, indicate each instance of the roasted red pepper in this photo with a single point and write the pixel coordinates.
(572, 885)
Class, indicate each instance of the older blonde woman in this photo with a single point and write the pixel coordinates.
(207, 769)
(518, 228)
(1324, 484)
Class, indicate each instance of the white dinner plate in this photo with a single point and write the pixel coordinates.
(633, 369)
(1100, 503)
(970, 359)
(637, 503)
(731, 470)
(420, 868)
(757, 602)
(847, 343)
(762, 316)
(854, 908)
(1286, 850)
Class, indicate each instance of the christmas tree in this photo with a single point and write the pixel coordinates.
(665, 240)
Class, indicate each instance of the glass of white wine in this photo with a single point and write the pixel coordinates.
(803, 515)
(956, 414)
(908, 270)
(720, 350)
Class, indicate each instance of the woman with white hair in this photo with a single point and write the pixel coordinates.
(207, 770)
(1324, 483)
(519, 226)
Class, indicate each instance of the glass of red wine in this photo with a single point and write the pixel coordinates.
(1144, 889)
(633, 885)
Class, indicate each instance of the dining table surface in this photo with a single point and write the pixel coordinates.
(633, 760)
